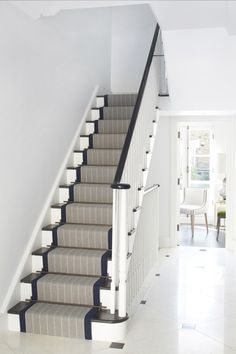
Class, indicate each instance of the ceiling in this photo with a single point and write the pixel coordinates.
(172, 15)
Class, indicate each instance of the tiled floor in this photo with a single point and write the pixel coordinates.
(201, 238)
(190, 309)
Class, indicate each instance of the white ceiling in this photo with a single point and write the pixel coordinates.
(172, 15)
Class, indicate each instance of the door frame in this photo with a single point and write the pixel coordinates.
(176, 119)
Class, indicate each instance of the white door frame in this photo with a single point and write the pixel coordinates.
(231, 172)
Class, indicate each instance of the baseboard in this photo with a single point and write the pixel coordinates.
(41, 220)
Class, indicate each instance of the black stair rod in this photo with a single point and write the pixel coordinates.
(120, 168)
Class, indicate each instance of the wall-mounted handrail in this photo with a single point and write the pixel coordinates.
(129, 135)
(152, 188)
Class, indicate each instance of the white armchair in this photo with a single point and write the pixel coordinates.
(194, 203)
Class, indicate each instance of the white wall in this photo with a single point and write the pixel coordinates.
(48, 70)
(132, 31)
(201, 69)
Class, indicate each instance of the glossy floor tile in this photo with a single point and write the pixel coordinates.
(190, 309)
(201, 238)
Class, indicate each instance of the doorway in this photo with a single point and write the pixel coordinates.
(203, 158)
(200, 186)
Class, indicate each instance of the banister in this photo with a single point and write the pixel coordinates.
(129, 135)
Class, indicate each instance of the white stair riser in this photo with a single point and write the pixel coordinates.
(100, 102)
(25, 291)
(37, 264)
(63, 194)
(95, 114)
(71, 176)
(89, 128)
(46, 238)
(111, 332)
(55, 215)
(13, 323)
(84, 142)
(77, 158)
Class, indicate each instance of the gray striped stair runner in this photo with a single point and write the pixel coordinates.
(66, 292)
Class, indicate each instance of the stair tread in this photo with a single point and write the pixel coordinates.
(33, 276)
(85, 226)
(101, 316)
(93, 205)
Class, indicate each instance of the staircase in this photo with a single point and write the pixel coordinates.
(71, 270)
(80, 285)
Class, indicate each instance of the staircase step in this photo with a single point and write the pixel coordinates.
(68, 289)
(128, 99)
(119, 112)
(103, 157)
(92, 193)
(77, 261)
(88, 213)
(78, 235)
(108, 141)
(86, 192)
(112, 126)
(58, 320)
(97, 174)
(95, 322)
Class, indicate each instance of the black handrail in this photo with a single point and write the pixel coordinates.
(116, 182)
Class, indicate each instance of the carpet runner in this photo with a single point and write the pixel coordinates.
(66, 294)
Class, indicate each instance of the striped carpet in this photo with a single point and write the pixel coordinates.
(66, 294)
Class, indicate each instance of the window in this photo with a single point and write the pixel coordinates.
(198, 146)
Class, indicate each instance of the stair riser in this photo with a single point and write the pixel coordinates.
(55, 215)
(95, 114)
(71, 176)
(37, 264)
(64, 194)
(78, 158)
(105, 294)
(84, 142)
(100, 102)
(89, 128)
